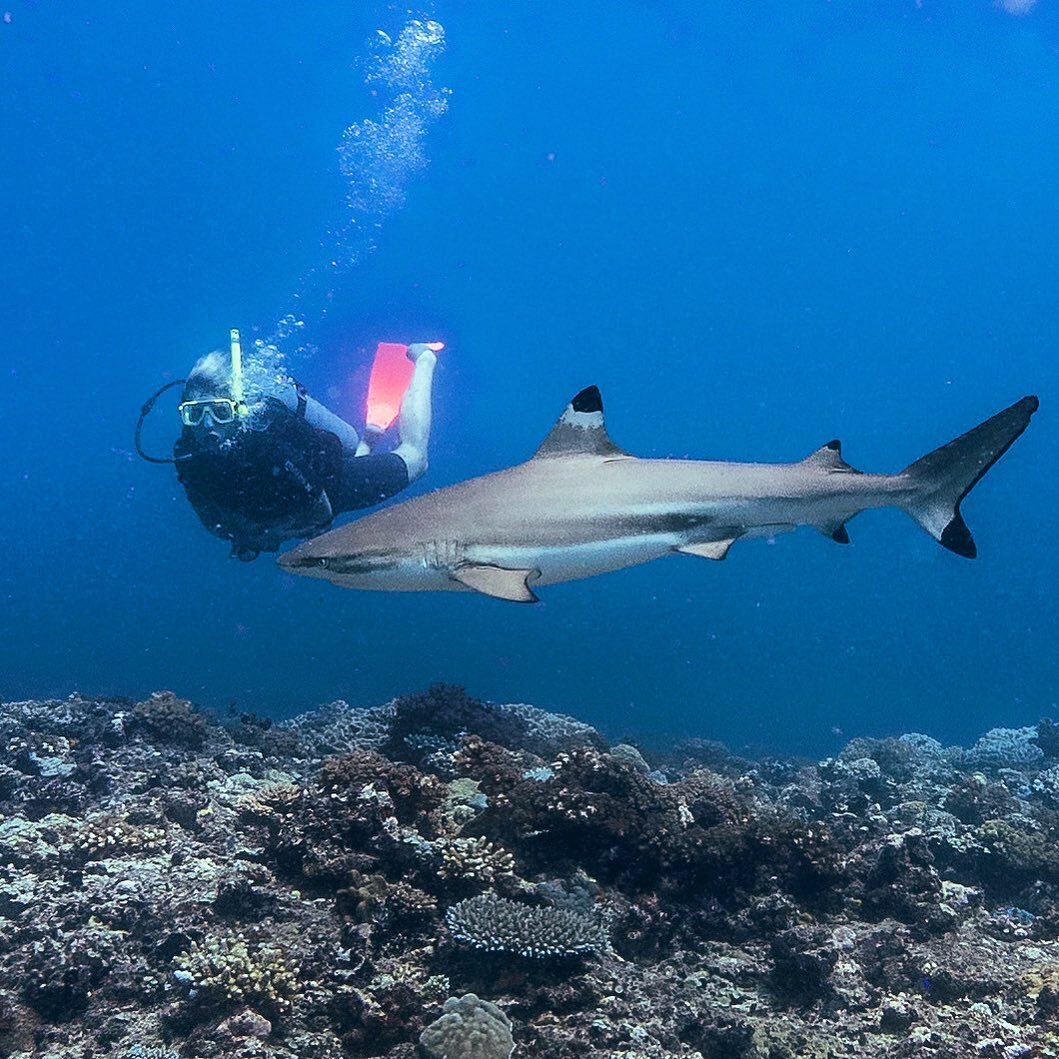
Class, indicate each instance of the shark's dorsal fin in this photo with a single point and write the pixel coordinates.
(580, 430)
(829, 458)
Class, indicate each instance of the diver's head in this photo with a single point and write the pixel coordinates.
(208, 407)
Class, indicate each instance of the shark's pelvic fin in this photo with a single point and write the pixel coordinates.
(708, 549)
(580, 430)
(941, 479)
(836, 531)
(496, 581)
(829, 458)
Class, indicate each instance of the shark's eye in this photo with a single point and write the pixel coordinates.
(321, 562)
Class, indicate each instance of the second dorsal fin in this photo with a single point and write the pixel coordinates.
(829, 458)
(580, 430)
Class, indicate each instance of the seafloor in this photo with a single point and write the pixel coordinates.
(442, 878)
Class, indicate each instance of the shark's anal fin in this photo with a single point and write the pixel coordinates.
(495, 581)
(708, 549)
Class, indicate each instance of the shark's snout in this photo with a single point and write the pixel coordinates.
(351, 569)
(302, 560)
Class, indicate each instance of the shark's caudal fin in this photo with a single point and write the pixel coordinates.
(945, 476)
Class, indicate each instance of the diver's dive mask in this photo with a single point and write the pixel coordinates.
(220, 409)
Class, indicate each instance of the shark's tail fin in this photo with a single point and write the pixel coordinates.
(942, 478)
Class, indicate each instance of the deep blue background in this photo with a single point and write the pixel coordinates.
(754, 226)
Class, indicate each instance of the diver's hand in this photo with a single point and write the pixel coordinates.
(417, 349)
(370, 438)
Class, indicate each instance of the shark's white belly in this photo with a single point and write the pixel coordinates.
(570, 562)
(430, 568)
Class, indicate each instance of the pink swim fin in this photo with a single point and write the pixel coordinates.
(391, 371)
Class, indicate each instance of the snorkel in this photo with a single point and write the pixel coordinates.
(237, 373)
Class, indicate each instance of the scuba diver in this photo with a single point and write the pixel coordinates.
(266, 468)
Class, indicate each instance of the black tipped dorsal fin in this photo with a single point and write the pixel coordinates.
(580, 430)
(829, 457)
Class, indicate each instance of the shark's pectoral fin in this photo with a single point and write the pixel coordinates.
(496, 581)
(708, 549)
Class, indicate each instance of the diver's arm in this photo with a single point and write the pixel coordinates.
(316, 415)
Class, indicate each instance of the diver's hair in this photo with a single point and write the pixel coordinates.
(211, 374)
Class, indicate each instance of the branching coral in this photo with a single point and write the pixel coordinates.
(497, 924)
(228, 970)
(476, 859)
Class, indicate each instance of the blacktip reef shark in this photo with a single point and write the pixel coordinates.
(581, 506)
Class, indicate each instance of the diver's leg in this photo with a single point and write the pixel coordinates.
(414, 422)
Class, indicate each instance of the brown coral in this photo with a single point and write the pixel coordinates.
(164, 718)
(412, 792)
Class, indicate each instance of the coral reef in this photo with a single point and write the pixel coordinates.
(439, 877)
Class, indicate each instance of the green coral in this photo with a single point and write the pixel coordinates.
(476, 859)
(111, 834)
(1021, 851)
(230, 970)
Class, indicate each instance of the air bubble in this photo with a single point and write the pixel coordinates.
(378, 157)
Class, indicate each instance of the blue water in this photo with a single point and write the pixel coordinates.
(755, 226)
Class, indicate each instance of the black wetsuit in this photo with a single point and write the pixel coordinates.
(279, 479)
